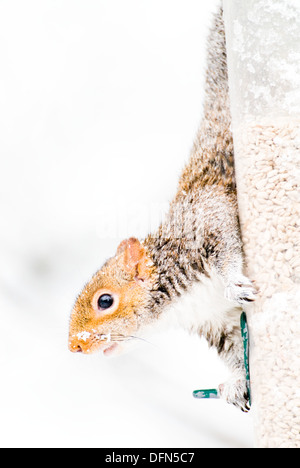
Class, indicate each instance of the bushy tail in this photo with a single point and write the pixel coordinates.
(216, 86)
(212, 161)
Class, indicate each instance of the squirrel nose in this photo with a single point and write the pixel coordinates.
(75, 348)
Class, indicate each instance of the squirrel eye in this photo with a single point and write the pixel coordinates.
(105, 301)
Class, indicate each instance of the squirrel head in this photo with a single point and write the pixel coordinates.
(113, 306)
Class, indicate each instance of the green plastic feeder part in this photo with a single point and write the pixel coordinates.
(212, 393)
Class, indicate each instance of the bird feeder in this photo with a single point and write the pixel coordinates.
(263, 50)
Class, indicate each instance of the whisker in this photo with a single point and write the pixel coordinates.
(142, 339)
(115, 337)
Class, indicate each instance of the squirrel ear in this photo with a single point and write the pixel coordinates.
(134, 258)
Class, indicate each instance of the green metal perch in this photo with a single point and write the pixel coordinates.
(213, 392)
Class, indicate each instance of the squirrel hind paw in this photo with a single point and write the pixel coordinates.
(241, 290)
(235, 393)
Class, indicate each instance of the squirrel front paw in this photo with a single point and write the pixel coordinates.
(240, 290)
(235, 393)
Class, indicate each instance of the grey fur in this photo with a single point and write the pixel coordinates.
(201, 232)
(191, 269)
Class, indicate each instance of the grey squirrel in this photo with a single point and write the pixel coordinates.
(192, 267)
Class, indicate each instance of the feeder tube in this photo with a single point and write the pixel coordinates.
(263, 50)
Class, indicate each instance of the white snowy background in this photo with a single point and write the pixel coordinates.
(99, 104)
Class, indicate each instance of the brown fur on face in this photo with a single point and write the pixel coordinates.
(127, 278)
(194, 257)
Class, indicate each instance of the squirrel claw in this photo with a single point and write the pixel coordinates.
(235, 393)
(241, 290)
